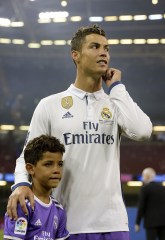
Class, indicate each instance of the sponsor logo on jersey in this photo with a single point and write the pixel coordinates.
(20, 226)
(38, 223)
(67, 115)
(44, 235)
(90, 134)
(106, 114)
(67, 102)
(37, 237)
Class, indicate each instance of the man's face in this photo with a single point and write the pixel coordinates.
(94, 56)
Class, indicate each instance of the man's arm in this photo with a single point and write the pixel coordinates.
(21, 189)
(133, 121)
(39, 125)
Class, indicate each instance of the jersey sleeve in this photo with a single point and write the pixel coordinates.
(39, 125)
(133, 122)
(62, 232)
(16, 229)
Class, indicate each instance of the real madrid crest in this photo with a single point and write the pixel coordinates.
(67, 102)
(55, 222)
(106, 114)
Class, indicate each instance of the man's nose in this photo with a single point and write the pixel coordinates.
(103, 54)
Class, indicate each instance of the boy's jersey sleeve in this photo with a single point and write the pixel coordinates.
(39, 125)
(62, 232)
(16, 229)
(134, 123)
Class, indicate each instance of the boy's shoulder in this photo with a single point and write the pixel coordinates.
(57, 204)
(20, 211)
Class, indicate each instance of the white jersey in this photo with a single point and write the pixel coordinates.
(89, 125)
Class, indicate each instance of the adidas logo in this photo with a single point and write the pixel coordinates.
(67, 115)
(38, 223)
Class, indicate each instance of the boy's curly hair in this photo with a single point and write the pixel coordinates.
(39, 145)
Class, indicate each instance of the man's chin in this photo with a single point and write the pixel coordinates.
(103, 70)
(102, 73)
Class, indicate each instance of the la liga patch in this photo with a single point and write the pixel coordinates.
(20, 226)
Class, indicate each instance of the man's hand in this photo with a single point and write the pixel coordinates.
(112, 75)
(18, 196)
(137, 228)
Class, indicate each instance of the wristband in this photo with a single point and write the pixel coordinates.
(114, 84)
(13, 187)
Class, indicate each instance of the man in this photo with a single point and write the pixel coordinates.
(89, 123)
(151, 206)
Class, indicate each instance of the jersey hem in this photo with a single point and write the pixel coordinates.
(99, 231)
(11, 237)
(62, 238)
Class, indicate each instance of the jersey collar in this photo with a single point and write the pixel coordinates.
(82, 94)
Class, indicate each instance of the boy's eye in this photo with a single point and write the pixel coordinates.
(48, 164)
(60, 164)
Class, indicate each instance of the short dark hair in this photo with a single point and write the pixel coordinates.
(82, 32)
(39, 145)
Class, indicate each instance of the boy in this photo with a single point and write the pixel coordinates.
(43, 158)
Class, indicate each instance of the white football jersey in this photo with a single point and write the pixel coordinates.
(90, 126)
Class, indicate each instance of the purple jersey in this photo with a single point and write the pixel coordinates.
(47, 222)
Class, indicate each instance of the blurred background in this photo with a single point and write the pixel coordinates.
(35, 62)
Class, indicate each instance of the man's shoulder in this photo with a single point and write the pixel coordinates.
(55, 95)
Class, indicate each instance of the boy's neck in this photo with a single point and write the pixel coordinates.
(42, 194)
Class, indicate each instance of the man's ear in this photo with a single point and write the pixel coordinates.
(75, 56)
(30, 168)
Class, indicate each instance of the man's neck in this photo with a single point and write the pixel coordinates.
(88, 84)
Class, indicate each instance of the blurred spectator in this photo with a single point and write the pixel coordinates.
(8, 152)
(151, 206)
(161, 137)
(17, 109)
(5, 96)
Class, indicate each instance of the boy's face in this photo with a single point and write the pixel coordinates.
(47, 173)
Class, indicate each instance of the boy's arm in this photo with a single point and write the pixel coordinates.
(16, 229)
(62, 232)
